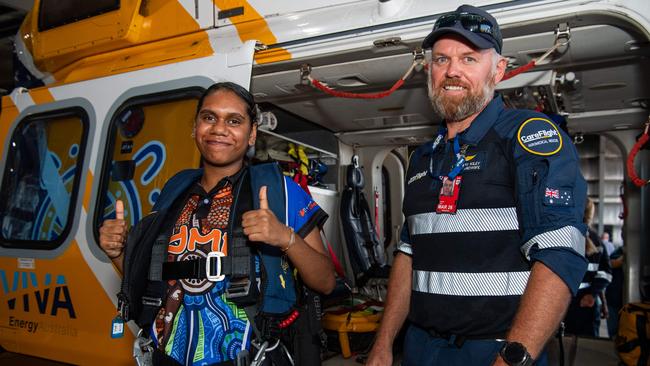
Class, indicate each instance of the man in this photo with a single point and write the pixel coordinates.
(484, 276)
(609, 246)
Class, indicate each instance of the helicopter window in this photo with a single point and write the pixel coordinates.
(149, 141)
(41, 179)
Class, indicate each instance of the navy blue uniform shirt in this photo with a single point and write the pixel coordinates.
(549, 189)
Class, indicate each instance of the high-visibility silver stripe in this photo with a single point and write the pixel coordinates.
(464, 221)
(470, 284)
(584, 285)
(566, 237)
(604, 275)
(405, 248)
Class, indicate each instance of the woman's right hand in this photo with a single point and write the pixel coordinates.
(112, 233)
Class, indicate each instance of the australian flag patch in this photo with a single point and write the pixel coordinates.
(558, 197)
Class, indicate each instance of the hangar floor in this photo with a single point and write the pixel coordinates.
(592, 352)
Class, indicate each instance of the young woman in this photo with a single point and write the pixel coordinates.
(197, 324)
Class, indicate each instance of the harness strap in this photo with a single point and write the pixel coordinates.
(152, 298)
(196, 268)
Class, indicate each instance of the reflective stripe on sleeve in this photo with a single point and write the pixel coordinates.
(405, 248)
(604, 275)
(566, 237)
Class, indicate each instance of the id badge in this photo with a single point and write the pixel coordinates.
(448, 197)
(117, 327)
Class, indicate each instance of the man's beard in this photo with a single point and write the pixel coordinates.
(454, 109)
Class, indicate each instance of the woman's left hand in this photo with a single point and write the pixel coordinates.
(262, 225)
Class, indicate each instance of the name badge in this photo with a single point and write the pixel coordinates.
(117, 327)
(448, 198)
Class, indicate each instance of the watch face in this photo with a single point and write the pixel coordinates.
(513, 353)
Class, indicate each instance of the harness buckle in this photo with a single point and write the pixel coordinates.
(216, 256)
(238, 288)
(123, 306)
(143, 350)
(260, 356)
(151, 301)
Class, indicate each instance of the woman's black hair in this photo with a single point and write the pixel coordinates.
(243, 94)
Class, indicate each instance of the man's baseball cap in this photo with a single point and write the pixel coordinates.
(474, 24)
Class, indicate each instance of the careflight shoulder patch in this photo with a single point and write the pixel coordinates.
(539, 136)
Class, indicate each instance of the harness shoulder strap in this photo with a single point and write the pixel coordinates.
(278, 285)
(269, 175)
(175, 186)
(166, 206)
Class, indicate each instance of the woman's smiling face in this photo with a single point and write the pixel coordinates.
(223, 130)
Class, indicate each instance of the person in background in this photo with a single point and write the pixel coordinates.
(614, 291)
(609, 246)
(586, 308)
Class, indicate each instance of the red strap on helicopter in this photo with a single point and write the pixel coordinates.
(519, 70)
(340, 94)
(335, 260)
(533, 63)
(630, 158)
(418, 59)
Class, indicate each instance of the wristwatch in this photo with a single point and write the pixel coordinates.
(515, 354)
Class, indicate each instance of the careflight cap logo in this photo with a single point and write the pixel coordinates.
(539, 136)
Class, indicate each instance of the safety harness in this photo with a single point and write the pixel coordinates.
(270, 309)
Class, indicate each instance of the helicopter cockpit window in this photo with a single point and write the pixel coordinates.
(41, 179)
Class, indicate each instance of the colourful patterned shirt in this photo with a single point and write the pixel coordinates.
(197, 325)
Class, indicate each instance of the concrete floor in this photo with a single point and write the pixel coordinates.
(13, 359)
(591, 352)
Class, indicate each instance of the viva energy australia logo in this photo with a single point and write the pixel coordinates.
(26, 294)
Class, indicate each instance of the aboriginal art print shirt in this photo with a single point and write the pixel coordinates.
(197, 325)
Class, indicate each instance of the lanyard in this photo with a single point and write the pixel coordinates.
(458, 151)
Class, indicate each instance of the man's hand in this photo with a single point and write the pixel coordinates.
(262, 225)
(380, 355)
(398, 300)
(112, 233)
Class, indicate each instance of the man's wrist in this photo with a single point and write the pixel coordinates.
(382, 341)
(515, 354)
